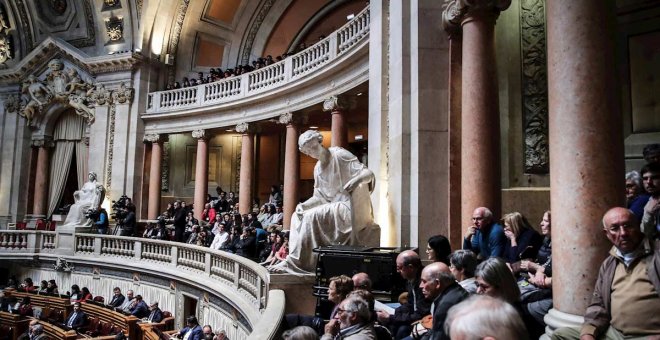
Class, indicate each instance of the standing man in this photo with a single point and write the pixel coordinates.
(179, 222)
(128, 229)
(102, 221)
(625, 301)
(409, 265)
(439, 285)
(484, 237)
(651, 181)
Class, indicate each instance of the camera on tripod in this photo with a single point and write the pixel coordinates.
(119, 210)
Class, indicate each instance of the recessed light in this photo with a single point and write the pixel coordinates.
(350, 16)
(314, 127)
(229, 130)
(359, 93)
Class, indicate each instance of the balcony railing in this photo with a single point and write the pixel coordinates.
(268, 78)
(234, 273)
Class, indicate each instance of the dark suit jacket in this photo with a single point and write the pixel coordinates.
(78, 319)
(117, 300)
(196, 332)
(140, 310)
(156, 315)
(451, 296)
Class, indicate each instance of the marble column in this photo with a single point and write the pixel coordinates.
(451, 23)
(337, 107)
(155, 180)
(480, 128)
(201, 171)
(40, 202)
(586, 147)
(291, 168)
(247, 169)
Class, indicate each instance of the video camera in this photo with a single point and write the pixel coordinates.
(119, 210)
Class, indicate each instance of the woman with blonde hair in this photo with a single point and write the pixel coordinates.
(523, 242)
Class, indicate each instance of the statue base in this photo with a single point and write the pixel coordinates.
(557, 319)
(298, 291)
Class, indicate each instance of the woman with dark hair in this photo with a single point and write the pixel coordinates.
(25, 307)
(438, 249)
(234, 239)
(523, 242)
(86, 295)
(75, 295)
(52, 287)
(275, 197)
(43, 288)
(274, 244)
(495, 279)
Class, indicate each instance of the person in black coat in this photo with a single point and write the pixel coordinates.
(179, 222)
(140, 309)
(247, 245)
(439, 285)
(117, 298)
(129, 228)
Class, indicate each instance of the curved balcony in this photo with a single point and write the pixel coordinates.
(241, 283)
(331, 66)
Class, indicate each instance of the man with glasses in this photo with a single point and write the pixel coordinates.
(484, 237)
(628, 285)
(352, 321)
(409, 265)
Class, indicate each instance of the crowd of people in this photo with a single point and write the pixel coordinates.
(217, 74)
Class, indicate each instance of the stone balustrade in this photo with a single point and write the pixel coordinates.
(240, 280)
(286, 73)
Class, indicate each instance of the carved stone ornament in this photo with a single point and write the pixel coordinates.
(5, 47)
(61, 265)
(12, 103)
(285, 118)
(335, 103)
(452, 16)
(152, 138)
(242, 127)
(199, 134)
(123, 95)
(115, 29)
(457, 10)
(61, 85)
(99, 95)
(45, 142)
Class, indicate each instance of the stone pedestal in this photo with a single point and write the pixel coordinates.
(586, 149)
(298, 292)
(201, 172)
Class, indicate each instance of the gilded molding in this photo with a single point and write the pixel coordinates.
(115, 29)
(534, 86)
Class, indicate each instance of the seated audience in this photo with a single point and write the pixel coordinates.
(463, 263)
(75, 295)
(192, 331)
(85, 295)
(207, 332)
(139, 308)
(485, 238)
(522, 240)
(484, 317)
(283, 252)
(117, 298)
(27, 285)
(275, 197)
(43, 288)
(192, 235)
(362, 281)
(155, 314)
(246, 245)
(495, 279)
(300, 333)
(438, 249)
(352, 321)
(29, 334)
(128, 302)
(38, 333)
(77, 318)
(440, 286)
(220, 239)
(626, 297)
(409, 265)
(273, 246)
(636, 196)
(25, 307)
(52, 287)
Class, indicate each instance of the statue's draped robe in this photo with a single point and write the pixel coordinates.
(89, 196)
(329, 221)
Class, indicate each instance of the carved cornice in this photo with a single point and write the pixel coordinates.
(335, 103)
(199, 134)
(153, 138)
(242, 128)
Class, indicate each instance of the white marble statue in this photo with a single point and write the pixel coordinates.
(338, 213)
(89, 197)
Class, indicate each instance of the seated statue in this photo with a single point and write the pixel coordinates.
(338, 213)
(87, 199)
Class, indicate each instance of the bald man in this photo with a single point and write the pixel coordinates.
(439, 285)
(409, 265)
(627, 293)
(361, 281)
(484, 237)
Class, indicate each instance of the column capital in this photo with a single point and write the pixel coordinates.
(457, 11)
(200, 134)
(153, 138)
(44, 141)
(243, 128)
(335, 103)
(287, 119)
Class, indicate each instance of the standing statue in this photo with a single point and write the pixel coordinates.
(37, 95)
(338, 213)
(87, 200)
(57, 78)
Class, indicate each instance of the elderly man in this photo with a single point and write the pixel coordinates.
(625, 301)
(409, 265)
(361, 281)
(484, 317)
(207, 332)
(484, 237)
(651, 180)
(29, 334)
(352, 321)
(155, 314)
(440, 286)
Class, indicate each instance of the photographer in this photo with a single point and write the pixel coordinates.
(128, 225)
(102, 221)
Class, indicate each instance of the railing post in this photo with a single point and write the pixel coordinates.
(207, 263)
(288, 68)
(259, 292)
(34, 242)
(138, 250)
(98, 243)
(175, 256)
(201, 91)
(334, 46)
(237, 274)
(245, 85)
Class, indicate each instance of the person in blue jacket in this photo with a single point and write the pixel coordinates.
(192, 331)
(484, 237)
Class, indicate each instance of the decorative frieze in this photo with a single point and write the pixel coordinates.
(5, 47)
(123, 95)
(534, 86)
(100, 95)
